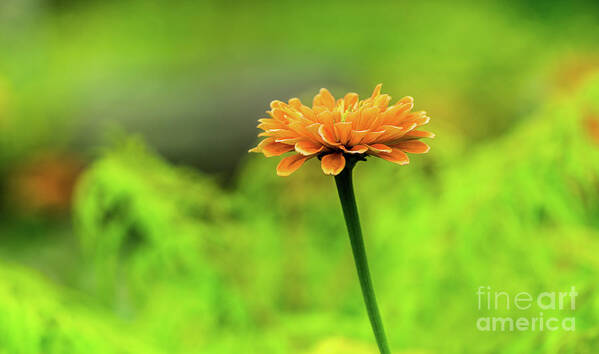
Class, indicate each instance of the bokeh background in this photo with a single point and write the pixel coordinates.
(132, 219)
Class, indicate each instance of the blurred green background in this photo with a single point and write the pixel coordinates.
(132, 219)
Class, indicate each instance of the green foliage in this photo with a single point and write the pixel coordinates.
(35, 318)
(149, 230)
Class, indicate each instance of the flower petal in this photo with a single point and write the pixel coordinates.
(413, 146)
(295, 103)
(327, 117)
(333, 129)
(327, 135)
(312, 130)
(292, 113)
(420, 118)
(333, 164)
(308, 147)
(391, 133)
(279, 114)
(275, 149)
(377, 90)
(307, 112)
(372, 137)
(350, 99)
(353, 116)
(290, 164)
(324, 98)
(299, 129)
(396, 156)
(382, 102)
(368, 117)
(407, 127)
(409, 100)
(343, 131)
(379, 148)
(356, 136)
(279, 133)
(269, 126)
(358, 149)
(288, 141)
(420, 134)
(261, 144)
(276, 104)
(397, 112)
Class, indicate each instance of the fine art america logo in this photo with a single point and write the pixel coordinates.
(516, 307)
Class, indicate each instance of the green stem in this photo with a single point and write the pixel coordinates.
(352, 220)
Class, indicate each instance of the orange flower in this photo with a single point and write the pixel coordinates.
(335, 130)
